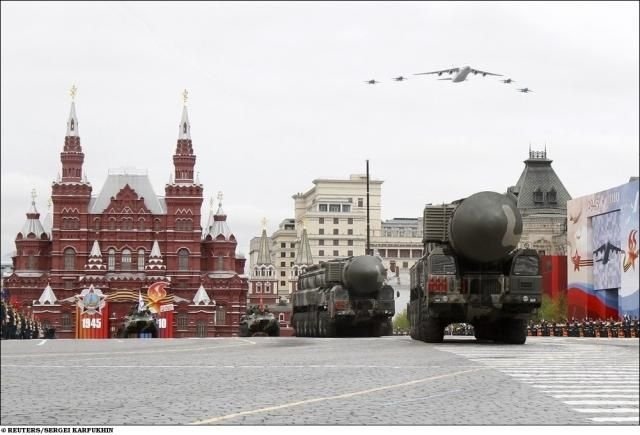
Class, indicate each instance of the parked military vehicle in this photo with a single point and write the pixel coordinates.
(471, 271)
(139, 324)
(259, 322)
(343, 297)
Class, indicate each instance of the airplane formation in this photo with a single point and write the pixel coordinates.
(457, 75)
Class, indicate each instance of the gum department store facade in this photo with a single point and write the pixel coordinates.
(99, 255)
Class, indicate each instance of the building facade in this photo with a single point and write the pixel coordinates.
(400, 244)
(125, 245)
(603, 253)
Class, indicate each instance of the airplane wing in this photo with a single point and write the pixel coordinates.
(477, 71)
(439, 72)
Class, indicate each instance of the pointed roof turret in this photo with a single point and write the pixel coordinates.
(201, 297)
(95, 250)
(210, 220)
(220, 226)
(94, 262)
(185, 126)
(155, 262)
(48, 296)
(72, 156)
(72, 122)
(264, 253)
(184, 160)
(539, 187)
(32, 224)
(48, 219)
(303, 255)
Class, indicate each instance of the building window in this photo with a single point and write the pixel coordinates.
(382, 252)
(322, 207)
(66, 321)
(96, 224)
(349, 242)
(140, 224)
(350, 253)
(405, 264)
(336, 242)
(156, 225)
(125, 262)
(336, 221)
(346, 208)
(221, 316)
(392, 253)
(31, 262)
(360, 202)
(350, 221)
(283, 254)
(281, 317)
(416, 253)
(283, 245)
(112, 223)
(182, 321)
(321, 242)
(140, 259)
(321, 253)
(127, 224)
(292, 254)
(321, 231)
(291, 264)
(405, 253)
(335, 231)
(267, 288)
(183, 259)
(283, 264)
(283, 273)
(201, 328)
(350, 232)
(321, 220)
(334, 208)
(552, 196)
(538, 196)
(283, 283)
(68, 285)
(111, 259)
(69, 259)
(293, 245)
(336, 253)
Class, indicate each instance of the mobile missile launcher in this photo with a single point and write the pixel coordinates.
(259, 322)
(471, 271)
(346, 296)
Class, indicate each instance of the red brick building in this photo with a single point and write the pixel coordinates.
(119, 242)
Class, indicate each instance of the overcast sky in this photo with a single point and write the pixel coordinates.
(277, 98)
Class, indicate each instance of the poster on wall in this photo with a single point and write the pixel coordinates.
(92, 314)
(161, 306)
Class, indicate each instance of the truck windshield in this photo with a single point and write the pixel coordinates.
(525, 265)
(443, 265)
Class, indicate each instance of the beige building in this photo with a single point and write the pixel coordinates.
(400, 244)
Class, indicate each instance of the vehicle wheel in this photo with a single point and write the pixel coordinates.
(514, 331)
(375, 329)
(431, 331)
(331, 330)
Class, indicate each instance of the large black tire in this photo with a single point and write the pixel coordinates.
(375, 328)
(514, 331)
(431, 331)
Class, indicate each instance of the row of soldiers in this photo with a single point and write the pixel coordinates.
(588, 327)
(16, 325)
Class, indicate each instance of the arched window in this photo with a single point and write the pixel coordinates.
(259, 288)
(141, 224)
(112, 223)
(140, 259)
(156, 225)
(125, 263)
(127, 224)
(31, 262)
(96, 224)
(267, 288)
(183, 259)
(221, 316)
(111, 259)
(69, 259)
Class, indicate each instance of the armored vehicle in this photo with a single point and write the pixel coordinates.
(471, 271)
(345, 296)
(139, 324)
(259, 322)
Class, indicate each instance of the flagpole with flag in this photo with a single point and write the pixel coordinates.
(140, 301)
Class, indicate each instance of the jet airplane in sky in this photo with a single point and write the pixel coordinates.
(508, 81)
(525, 90)
(372, 82)
(460, 73)
(399, 78)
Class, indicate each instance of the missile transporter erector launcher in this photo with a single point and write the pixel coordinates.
(471, 271)
(343, 297)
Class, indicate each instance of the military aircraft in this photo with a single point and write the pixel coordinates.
(525, 90)
(372, 82)
(399, 78)
(508, 81)
(461, 73)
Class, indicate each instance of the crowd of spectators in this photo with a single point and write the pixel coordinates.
(587, 327)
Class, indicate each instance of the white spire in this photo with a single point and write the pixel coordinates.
(155, 250)
(95, 250)
(72, 123)
(201, 296)
(47, 296)
(185, 127)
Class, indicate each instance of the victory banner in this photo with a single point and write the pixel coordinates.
(92, 314)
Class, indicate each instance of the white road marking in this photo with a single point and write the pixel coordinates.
(584, 396)
(336, 397)
(601, 402)
(614, 419)
(609, 410)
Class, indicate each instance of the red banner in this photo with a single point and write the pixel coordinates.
(92, 324)
(164, 320)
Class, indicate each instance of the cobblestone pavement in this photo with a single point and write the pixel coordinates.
(289, 380)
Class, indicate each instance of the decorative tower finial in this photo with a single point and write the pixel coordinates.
(73, 92)
(49, 204)
(185, 96)
(220, 196)
(34, 195)
(264, 223)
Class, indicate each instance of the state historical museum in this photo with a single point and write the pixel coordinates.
(103, 257)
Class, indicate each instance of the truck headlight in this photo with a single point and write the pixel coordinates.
(525, 298)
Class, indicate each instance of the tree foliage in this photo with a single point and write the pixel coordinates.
(552, 310)
(401, 321)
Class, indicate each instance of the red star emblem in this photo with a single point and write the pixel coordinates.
(576, 261)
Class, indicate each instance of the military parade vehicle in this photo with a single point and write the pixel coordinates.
(259, 322)
(346, 296)
(139, 323)
(471, 271)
